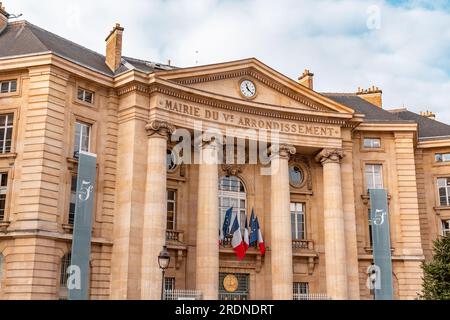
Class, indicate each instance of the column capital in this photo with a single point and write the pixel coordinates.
(210, 141)
(161, 128)
(284, 151)
(330, 155)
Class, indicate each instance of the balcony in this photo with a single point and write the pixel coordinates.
(303, 250)
(175, 243)
(174, 236)
(303, 245)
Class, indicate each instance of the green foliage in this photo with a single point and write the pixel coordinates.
(436, 280)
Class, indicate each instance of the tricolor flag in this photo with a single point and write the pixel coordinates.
(237, 242)
(246, 238)
(262, 247)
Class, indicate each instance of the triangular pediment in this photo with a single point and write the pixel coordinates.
(272, 87)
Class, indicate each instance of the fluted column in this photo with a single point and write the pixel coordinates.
(207, 250)
(280, 223)
(155, 210)
(334, 225)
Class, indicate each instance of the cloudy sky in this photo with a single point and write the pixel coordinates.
(403, 47)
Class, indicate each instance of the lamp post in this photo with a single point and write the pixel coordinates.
(163, 261)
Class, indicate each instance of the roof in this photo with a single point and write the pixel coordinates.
(372, 113)
(428, 128)
(23, 38)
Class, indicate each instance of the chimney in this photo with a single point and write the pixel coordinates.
(114, 48)
(306, 79)
(428, 114)
(374, 95)
(3, 18)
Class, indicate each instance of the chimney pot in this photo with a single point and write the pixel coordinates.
(307, 79)
(428, 114)
(114, 48)
(373, 95)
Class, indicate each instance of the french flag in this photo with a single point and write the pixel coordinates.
(237, 242)
(246, 235)
(262, 247)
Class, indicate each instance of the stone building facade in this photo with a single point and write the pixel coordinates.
(58, 98)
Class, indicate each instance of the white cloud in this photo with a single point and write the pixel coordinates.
(408, 57)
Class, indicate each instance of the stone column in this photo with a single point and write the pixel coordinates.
(207, 250)
(280, 223)
(155, 211)
(334, 224)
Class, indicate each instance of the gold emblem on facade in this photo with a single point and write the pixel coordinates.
(231, 283)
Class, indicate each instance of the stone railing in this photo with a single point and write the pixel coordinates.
(302, 244)
(175, 236)
(182, 295)
(311, 296)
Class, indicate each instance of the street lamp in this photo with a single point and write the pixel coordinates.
(163, 261)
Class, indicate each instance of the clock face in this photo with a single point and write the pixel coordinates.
(248, 89)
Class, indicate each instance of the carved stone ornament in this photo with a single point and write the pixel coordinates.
(161, 128)
(330, 155)
(282, 150)
(232, 170)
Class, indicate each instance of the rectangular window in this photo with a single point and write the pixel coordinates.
(171, 209)
(372, 143)
(445, 227)
(442, 157)
(374, 176)
(82, 138)
(169, 284)
(85, 95)
(298, 221)
(444, 191)
(73, 198)
(3, 190)
(301, 288)
(8, 86)
(6, 129)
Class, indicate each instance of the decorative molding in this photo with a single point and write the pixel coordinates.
(284, 151)
(303, 162)
(232, 169)
(161, 128)
(330, 156)
(251, 72)
(175, 93)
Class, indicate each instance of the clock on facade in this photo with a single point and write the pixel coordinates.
(248, 89)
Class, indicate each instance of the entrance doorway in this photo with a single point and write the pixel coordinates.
(233, 286)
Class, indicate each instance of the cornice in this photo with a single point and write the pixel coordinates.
(425, 144)
(387, 126)
(233, 107)
(50, 58)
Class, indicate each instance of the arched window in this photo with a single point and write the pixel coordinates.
(65, 263)
(232, 194)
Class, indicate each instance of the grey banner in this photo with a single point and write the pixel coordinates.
(381, 243)
(78, 281)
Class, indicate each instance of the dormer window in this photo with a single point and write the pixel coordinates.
(372, 143)
(442, 157)
(8, 86)
(85, 95)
